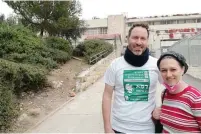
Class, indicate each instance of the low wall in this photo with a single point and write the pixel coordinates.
(91, 75)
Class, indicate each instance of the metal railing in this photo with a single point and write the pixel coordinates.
(95, 58)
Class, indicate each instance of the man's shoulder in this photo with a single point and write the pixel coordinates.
(118, 60)
(153, 59)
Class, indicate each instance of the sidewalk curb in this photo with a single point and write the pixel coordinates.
(51, 114)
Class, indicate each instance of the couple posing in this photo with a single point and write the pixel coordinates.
(133, 79)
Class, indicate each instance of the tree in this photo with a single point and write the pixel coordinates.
(2, 18)
(57, 18)
(12, 19)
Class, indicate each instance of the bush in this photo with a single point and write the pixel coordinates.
(79, 50)
(24, 63)
(8, 108)
(22, 77)
(19, 44)
(59, 43)
(35, 59)
(18, 39)
(56, 55)
(89, 48)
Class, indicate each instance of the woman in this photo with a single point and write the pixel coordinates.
(181, 108)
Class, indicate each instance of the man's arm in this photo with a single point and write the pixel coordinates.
(106, 108)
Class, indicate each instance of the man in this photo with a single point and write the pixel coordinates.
(133, 79)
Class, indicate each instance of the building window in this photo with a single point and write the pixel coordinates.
(198, 20)
(103, 30)
(169, 22)
(92, 31)
(151, 22)
(191, 21)
(130, 24)
(157, 23)
(95, 31)
(174, 21)
(163, 22)
(181, 21)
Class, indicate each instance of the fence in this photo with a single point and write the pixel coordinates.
(190, 48)
(95, 58)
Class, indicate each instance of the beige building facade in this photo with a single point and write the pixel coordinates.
(164, 30)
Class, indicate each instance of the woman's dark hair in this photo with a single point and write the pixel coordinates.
(177, 56)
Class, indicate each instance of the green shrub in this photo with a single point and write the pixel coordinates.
(59, 43)
(8, 108)
(24, 63)
(89, 48)
(19, 44)
(35, 59)
(79, 50)
(56, 55)
(18, 39)
(22, 77)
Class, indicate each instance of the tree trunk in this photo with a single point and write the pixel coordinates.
(41, 32)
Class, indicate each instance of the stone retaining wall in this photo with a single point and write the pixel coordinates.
(91, 75)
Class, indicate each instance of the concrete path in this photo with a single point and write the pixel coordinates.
(81, 115)
(192, 81)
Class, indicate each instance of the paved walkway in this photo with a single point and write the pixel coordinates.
(81, 115)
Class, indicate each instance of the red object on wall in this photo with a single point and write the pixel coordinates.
(171, 35)
(182, 30)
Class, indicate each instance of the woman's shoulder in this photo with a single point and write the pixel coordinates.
(193, 92)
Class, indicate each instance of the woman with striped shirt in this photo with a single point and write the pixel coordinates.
(181, 108)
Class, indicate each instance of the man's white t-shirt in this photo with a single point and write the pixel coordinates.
(134, 95)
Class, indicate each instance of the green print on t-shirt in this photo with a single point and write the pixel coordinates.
(136, 85)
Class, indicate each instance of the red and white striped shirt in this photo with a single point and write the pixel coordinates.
(182, 112)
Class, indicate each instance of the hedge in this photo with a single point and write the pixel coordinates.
(22, 77)
(19, 44)
(25, 61)
(89, 48)
(8, 108)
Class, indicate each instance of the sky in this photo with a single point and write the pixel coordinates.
(131, 8)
